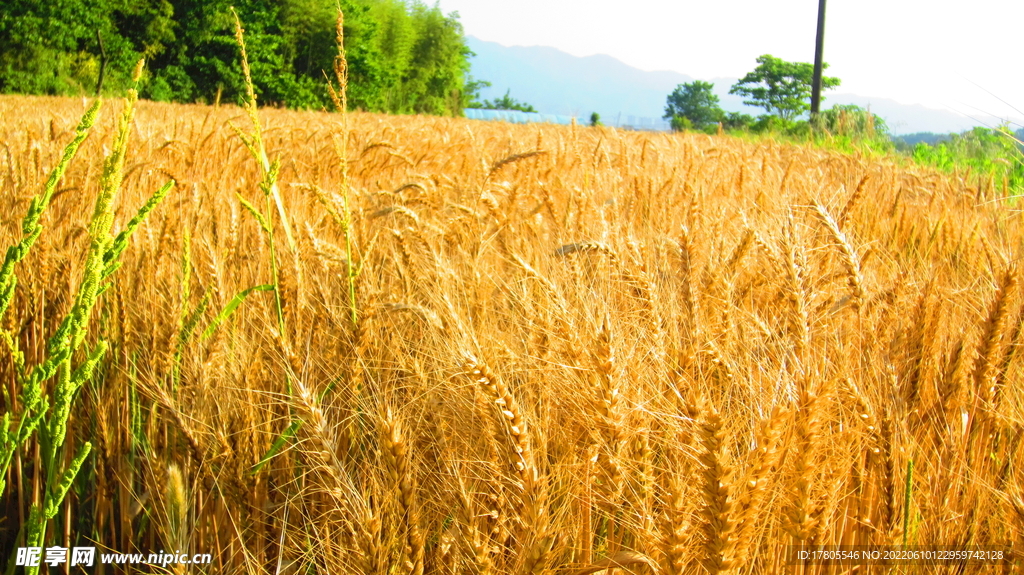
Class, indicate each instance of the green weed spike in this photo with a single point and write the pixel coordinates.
(13, 438)
(32, 423)
(113, 174)
(40, 202)
(231, 307)
(30, 226)
(85, 300)
(255, 143)
(268, 185)
(101, 261)
(262, 221)
(340, 98)
(83, 372)
(60, 338)
(17, 355)
(120, 242)
(32, 390)
(7, 291)
(247, 142)
(60, 491)
(7, 446)
(99, 227)
(36, 530)
(63, 393)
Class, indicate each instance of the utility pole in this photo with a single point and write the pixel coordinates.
(819, 48)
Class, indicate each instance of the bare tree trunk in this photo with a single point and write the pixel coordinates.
(103, 64)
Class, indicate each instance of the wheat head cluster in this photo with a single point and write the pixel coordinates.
(414, 345)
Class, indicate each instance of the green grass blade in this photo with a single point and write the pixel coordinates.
(232, 306)
(277, 446)
(907, 494)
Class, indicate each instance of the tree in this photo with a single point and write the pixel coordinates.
(595, 120)
(852, 120)
(506, 102)
(403, 56)
(435, 80)
(471, 94)
(781, 88)
(737, 121)
(54, 47)
(696, 103)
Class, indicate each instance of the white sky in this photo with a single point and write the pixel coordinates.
(913, 51)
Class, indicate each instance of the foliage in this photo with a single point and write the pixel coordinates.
(772, 124)
(850, 119)
(906, 142)
(506, 102)
(737, 121)
(695, 102)
(782, 88)
(471, 95)
(992, 157)
(595, 120)
(54, 47)
(438, 64)
(850, 128)
(681, 124)
(403, 56)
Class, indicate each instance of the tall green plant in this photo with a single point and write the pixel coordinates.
(33, 404)
(693, 102)
(49, 415)
(980, 154)
(269, 171)
(339, 96)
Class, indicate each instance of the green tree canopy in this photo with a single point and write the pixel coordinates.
(506, 102)
(403, 55)
(695, 102)
(781, 88)
(852, 120)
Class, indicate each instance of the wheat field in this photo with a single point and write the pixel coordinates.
(492, 348)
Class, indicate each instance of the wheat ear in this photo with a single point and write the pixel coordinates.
(719, 517)
(848, 257)
(396, 453)
(986, 364)
(607, 406)
(799, 517)
(512, 415)
(749, 503)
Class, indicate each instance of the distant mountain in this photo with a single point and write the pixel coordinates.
(559, 83)
(555, 82)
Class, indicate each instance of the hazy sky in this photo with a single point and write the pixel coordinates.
(914, 51)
